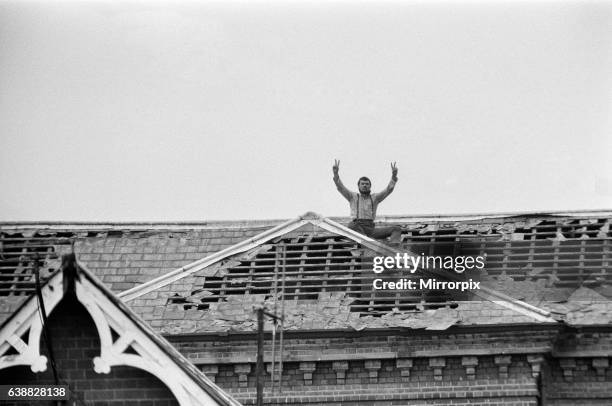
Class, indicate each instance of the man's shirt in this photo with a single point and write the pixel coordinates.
(363, 207)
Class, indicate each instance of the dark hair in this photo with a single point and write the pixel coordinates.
(364, 178)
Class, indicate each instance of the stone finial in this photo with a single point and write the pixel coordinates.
(340, 367)
(503, 362)
(470, 366)
(438, 365)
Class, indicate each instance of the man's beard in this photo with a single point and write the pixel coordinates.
(365, 193)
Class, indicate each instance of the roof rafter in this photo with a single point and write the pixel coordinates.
(333, 227)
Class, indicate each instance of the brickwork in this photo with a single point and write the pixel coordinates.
(343, 346)
(324, 389)
(346, 370)
(508, 393)
(480, 368)
(367, 401)
(335, 356)
(580, 381)
(76, 342)
(585, 341)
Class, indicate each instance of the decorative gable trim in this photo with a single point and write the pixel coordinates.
(189, 386)
(28, 321)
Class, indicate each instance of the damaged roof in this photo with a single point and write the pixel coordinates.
(539, 259)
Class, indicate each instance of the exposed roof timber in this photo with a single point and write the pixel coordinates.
(198, 265)
(329, 225)
(490, 294)
(216, 224)
(485, 292)
(308, 218)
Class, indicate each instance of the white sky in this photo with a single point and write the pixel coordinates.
(201, 111)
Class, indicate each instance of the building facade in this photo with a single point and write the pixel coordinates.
(537, 330)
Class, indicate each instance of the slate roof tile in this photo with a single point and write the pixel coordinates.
(124, 258)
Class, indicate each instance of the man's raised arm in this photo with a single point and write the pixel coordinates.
(339, 185)
(382, 195)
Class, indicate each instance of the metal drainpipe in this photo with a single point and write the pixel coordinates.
(542, 382)
(260, 364)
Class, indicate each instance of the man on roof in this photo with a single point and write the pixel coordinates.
(364, 203)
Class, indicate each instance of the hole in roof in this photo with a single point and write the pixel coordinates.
(329, 263)
(313, 265)
(17, 254)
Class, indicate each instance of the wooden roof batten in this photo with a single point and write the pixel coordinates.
(329, 225)
(153, 354)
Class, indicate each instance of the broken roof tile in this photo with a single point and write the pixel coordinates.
(540, 259)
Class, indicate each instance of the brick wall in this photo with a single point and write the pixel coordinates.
(579, 381)
(76, 342)
(383, 382)
(409, 343)
(382, 369)
(591, 339)
(460, 367)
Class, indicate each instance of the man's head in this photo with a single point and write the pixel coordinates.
(364, 185)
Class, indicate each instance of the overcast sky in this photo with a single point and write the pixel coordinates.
(201, 111)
